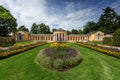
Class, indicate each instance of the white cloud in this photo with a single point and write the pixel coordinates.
(29, 11)
(116, 6)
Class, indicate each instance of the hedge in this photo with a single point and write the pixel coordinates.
(112, 41)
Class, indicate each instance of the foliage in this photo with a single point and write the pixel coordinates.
(90, 27)
(58, 59)
(7, 41)
(112, 41)
(7, 22)
(107, 21)
(40, 29)
(117, 32)
(108, 41)
(23, 28)
(103, 50)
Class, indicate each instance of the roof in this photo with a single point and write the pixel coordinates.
(60, 29)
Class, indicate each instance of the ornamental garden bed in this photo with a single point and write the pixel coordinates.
(6, 52)
(59, 56)
(105, 50)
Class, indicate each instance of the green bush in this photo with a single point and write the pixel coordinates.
(116, 41)
(112, 41)
(108, 41)
(58, 64)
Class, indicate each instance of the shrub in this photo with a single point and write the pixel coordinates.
(58, 64)
(108, 41)
(112, 41)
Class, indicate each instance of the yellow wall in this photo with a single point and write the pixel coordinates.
(72, 38)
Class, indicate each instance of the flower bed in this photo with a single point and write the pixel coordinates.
(18, 49)
(59, 56)
(100, 49)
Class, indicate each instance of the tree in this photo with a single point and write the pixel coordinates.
(108, 20)
(44, 29)
(74, 31)
(117, 33)
(90, 27)
(40, 29)
(80, 31)
(54, 30)
(34, 29)
(23, 28)
(7, 22)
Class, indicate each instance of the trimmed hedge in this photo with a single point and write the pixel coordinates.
(112, 41)
(103, 50)
(7, 41)
(18, 49)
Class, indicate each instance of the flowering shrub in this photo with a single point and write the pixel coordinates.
(103, 50)
(59, 46)
(18, 49)
(58, 58)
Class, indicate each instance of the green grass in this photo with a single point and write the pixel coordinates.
(95, 66)
(23, 42)
(96, 42)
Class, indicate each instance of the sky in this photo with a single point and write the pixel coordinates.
(66, 14)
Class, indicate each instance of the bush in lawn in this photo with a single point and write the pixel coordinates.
(58, 58)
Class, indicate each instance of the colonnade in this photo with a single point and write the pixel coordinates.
(45, 38)
(78, 38)
(60, 36)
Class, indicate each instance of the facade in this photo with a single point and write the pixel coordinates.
(60, 35)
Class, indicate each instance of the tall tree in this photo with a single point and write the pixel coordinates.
(107, 21)
(23, 28)
(34, 29)
(8, 23)
(44, 29)
(90, 27)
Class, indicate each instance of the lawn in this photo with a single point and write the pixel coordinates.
(95, 66)
(96, 42)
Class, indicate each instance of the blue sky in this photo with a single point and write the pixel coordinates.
(66, 14)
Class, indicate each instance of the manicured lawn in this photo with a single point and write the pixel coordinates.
(95, 66)
(23, 42)
(96, 42)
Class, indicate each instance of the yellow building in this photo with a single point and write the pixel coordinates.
(60, 35)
